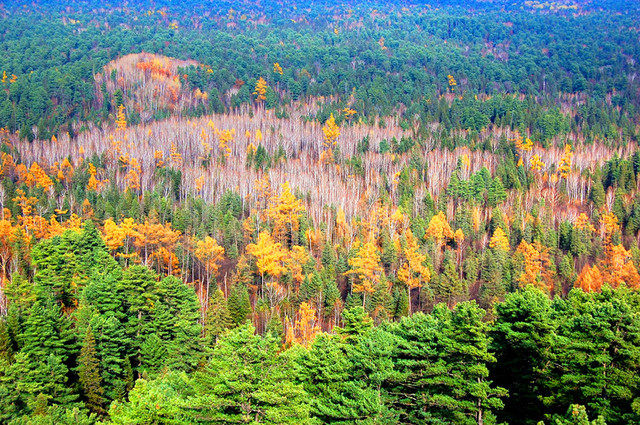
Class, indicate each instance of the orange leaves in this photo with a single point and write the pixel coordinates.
(113, 235)
(36, 176)
(210, 253)
(536, 266)
(499, 240)
(94, 183)
(590, 279)
(260, 90)
(155, 68)
(270, 255)
(618, 268)
(277, 69)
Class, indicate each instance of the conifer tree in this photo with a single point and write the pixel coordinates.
(89, 374)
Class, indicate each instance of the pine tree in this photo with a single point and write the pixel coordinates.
(217, 319)
(522, 334)
(239, 304)
(89, 374)
(247, 380)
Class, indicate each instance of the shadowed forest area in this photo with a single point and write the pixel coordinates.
(297, 212)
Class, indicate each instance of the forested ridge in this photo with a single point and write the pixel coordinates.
(305, 212)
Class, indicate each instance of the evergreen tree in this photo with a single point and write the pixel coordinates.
(247, 381)
(239, 304)
(89, 374)
(217, 319)
(522, 334)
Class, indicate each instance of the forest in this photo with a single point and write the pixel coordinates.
(310, 212)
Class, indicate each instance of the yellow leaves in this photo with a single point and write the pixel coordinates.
(210, 253)
(158, 158)
(536, 163)
(200, 183)
(536, 266)
(285, 211)
(121, 119)
(349, 113)
(365, 265)
(258, 135)
(304, 330)
(225, 138)
(331, 132)
(251, 149)
(583, 223)
(525, 145)
(565, 162)
(277, 69)
(499, 240)
(175, 156)
(173, 25)
(270, 255)
(261, 90)
(609, 225)
(439, 228)
(458, 236)
(466, 161)
(413, 272)
(132, 178)
(342, 227)
(451, 81)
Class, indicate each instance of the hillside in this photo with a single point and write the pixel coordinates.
(299, 212)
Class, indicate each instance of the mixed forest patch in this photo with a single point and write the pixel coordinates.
(306, 213)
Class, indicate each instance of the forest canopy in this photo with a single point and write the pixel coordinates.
(304, 212)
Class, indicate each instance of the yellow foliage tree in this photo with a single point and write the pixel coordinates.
(499, 240)
(210, 254)
(331, 132)
(285, 211)
(413, 272)
(121, 119)
(565, 162)
(270, 256)
(304, 330)
(365, 265)
(261, 90)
